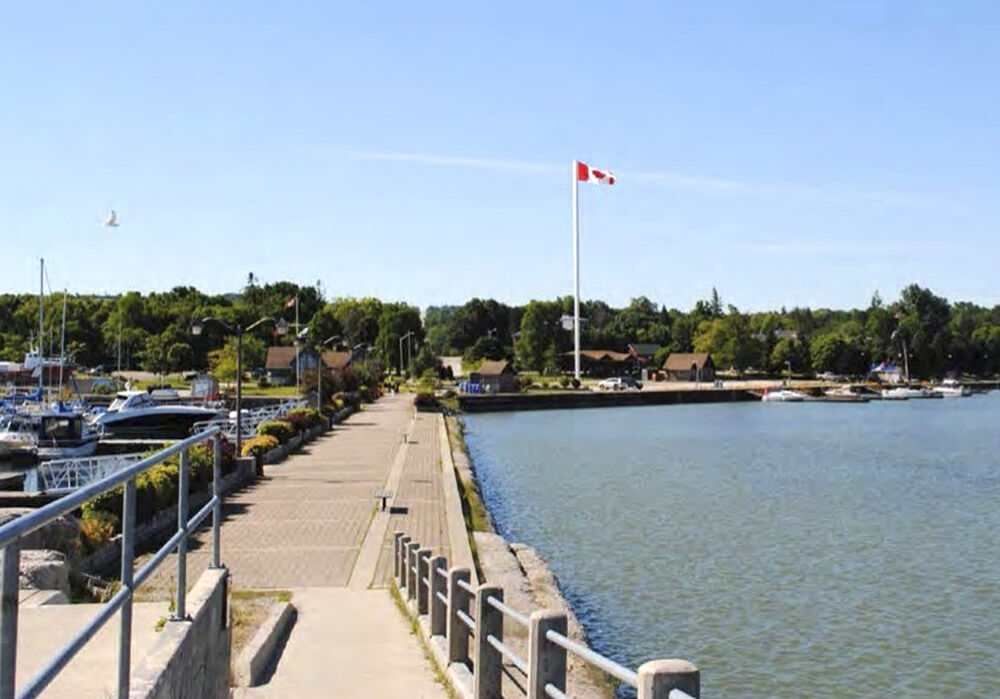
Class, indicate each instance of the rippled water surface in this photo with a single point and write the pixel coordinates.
(785, 549)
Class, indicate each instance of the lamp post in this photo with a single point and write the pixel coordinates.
(319, 372)
(404, 337)
(238, 330)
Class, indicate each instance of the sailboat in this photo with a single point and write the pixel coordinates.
(905, 392)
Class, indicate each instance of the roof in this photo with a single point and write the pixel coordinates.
(495, 368)
(644, 349)
(603, 355)
(279, 357)
(683, 361)
(336, 361)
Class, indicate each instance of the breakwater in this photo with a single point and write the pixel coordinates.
(504, 402)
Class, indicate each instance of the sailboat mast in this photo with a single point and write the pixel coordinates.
(906, 363)
(41, 325)
(62, 347)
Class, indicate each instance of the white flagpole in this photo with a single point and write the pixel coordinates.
(576, 276)
(297, 373)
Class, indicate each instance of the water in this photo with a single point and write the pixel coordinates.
(785, 549)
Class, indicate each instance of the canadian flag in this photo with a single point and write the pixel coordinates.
(585, 173)
(291, 302)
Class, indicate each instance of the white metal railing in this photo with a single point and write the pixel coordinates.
(70, 474)
(251, 418)
(446, 596)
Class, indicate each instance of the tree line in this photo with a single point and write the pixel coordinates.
(153, 331)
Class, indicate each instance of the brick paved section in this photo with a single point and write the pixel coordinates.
(303, 523)
(421, 493)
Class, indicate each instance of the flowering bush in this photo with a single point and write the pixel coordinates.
(279, 429)
(258, 446)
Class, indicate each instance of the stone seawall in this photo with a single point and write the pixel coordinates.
(505, 402)
(528, 583)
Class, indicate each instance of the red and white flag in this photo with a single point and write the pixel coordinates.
(585, 173)
(291, 302)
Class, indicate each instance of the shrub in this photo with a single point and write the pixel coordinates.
(576, 383)
(97, 528)
(303, 419)
(279, 429)
(564, 381)
(258, 446)
(523, 383)
(425, 399)
(262, 382)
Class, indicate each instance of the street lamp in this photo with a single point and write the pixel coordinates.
(404, 337)
(238, 330)
(319, 372)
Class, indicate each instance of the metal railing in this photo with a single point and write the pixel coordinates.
(252, 417)
(446, 597)
(70, 474)
(12, 533)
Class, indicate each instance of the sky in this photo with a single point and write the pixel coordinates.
(787, 153)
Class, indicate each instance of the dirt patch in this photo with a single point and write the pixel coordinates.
(249, 610)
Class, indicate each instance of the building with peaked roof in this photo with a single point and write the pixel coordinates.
(495, 376)
(601, 363)
(280, 363)
(644, 352)
(689, 366)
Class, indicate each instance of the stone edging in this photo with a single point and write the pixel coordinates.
(255, 658)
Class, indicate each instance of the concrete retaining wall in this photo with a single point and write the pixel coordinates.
(501, 402)
(191, 658)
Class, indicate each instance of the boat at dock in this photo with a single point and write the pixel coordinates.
(783, 395)
(906, 393)
(951, 388)
(54, 433)
(136, 414)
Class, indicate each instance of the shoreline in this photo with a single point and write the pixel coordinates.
(528, 582)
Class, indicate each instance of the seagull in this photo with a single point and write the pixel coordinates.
(112, 221)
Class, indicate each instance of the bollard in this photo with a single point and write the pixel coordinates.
(488, 660)
(546, 660)
(458, 632)
(658, 678)
(403, 541)
(423, 573)
(396, 536)
(411, 566)
(439, 586)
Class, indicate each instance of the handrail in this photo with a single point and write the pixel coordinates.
(448, 607)
(14, 531)
(609, 666)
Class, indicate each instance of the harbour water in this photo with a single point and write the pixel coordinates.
(785, 549)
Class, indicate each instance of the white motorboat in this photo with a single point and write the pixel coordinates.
(49, 434)
(783, 395)
(951, 388)
(136, 414)
(906, 392)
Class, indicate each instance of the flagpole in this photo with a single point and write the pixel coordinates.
(576, 275)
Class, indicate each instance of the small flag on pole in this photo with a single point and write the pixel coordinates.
(291, 302)
(585, 173)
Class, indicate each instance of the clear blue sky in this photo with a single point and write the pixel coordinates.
(787, 153)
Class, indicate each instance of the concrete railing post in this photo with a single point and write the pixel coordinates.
(658, 678)
(439, 586)
(396, 537)
(423, 574)
(411, 575)
(488, 660)
(546, 660)
(458, 632)
(403, 541)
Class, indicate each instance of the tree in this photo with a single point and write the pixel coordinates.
(535, 347)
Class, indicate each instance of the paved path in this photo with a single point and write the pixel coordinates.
(303, 526)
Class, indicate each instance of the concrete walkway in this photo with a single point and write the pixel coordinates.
(311, 526)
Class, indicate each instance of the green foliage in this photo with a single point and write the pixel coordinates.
(279, 429)
(425, 400)
(302, 419)
(536, 346)
(260, 445)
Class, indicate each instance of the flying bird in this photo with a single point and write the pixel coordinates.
(112, 221)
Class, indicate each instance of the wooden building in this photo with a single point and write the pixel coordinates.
(689, 366)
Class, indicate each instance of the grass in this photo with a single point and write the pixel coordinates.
(168, 381)
(251, 389)
(249, 610)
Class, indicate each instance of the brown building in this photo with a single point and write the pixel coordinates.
(689, 366)
(280, 364)
(495, 376)
(601, 363)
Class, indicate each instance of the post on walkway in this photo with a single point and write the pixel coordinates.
(439, 588)
(9, 594)
(403, 541)
(396, 536)
(423, 580)
(411, 570)
(458, 601)
(546, 660)
(217, 493)
(180, 614)
(127, 565)
(488, 660)
(658, 678)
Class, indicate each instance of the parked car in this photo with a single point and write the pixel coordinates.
(619, 383)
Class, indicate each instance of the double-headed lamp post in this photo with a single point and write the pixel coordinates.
(238, 330)
(404, 337)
